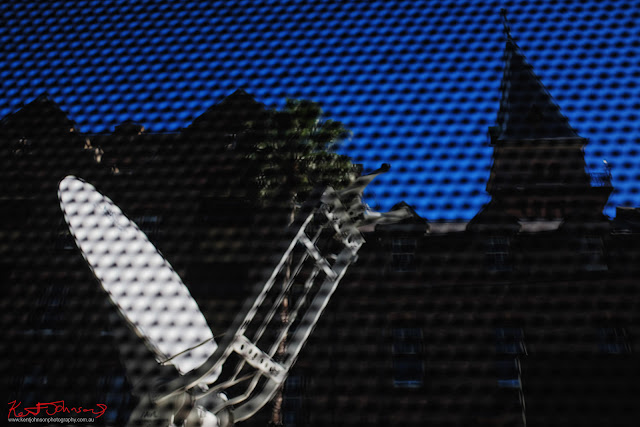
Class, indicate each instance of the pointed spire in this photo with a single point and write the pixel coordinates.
(527, 110)
(505, 23)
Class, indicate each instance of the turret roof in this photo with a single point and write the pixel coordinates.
(527, 109)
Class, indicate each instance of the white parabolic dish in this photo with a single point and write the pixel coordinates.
(139, 281)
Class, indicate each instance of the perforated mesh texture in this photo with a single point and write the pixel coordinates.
(418, 83)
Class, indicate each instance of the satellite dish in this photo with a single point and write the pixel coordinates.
(143, 286)
(139, 281)
(156, 304)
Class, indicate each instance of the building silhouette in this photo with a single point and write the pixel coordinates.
(524, 315)
(186, 190)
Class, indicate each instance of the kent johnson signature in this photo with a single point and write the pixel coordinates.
(52, 408)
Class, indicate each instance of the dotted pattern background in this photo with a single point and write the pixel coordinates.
(416, 81)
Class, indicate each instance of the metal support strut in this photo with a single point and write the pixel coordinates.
(248, 352)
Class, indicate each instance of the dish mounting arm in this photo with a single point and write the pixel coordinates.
(309, 273)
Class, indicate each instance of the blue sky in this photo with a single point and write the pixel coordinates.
(417, 82)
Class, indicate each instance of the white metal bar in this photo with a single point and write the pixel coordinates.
(315, 253)
(265, 366)
(259, 359)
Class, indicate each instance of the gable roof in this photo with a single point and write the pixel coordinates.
(229, 115)
(40, 117)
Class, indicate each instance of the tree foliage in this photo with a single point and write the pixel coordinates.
(298, 153)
